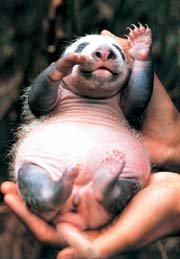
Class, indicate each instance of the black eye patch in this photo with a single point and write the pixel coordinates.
(81, 46)
(120, 51)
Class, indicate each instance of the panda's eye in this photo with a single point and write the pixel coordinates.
(81, 46)
(120, 51)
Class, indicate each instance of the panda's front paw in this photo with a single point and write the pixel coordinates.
(139, 40)
(63, 67)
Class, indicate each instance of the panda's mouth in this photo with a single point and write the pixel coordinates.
(100, 70)
(105, 68)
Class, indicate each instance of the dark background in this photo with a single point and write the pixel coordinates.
(33, 34)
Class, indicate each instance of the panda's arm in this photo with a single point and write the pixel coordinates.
(136, 95)
(43, 95)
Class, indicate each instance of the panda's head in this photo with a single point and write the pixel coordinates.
(105, 72)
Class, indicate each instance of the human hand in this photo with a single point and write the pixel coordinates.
(80, 244)
(46, 233)
(126, 232)
(153, 213)
(43, 232)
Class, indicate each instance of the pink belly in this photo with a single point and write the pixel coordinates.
(58, 146)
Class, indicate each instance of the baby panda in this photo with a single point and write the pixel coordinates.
(78, 161)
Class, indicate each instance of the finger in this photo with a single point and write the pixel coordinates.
(72, 235)
(108, 33)
(68, 253)
(74, 238)
(164, 177)
(121, 41)
(8, 187)
(40, 229)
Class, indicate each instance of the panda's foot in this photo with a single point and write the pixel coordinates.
(107, 175)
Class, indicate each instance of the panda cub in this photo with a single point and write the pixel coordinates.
(78, 161)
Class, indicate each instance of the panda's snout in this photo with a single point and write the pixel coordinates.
(104, 53)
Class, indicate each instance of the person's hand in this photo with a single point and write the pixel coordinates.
(80, 244)
(44, 232)
(153, 213)
(161, 130)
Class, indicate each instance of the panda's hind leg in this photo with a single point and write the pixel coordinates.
(112, 190)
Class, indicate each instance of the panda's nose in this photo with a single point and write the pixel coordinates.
(104, 53)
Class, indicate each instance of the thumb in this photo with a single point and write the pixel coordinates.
(121, 41)
(68, 252)
(81, 248)
(108, 33)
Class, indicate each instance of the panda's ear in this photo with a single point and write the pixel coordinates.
(81, 46)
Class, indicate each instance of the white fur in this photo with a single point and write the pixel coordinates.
(95, 41)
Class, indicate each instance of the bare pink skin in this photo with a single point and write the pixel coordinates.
(88, 134)
(139, 42)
